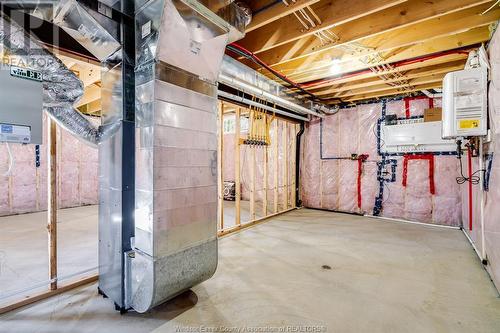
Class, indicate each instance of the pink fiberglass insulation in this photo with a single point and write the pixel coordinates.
(332, 182)
(25, 191)
(246, 156)
(310, 179)
(492, 197)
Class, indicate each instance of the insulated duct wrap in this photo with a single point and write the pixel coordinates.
(61, 87)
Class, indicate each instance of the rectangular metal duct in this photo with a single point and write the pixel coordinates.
(179, 50)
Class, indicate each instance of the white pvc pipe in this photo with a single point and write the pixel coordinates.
(260, 93)
(259, 105)
(481, 196)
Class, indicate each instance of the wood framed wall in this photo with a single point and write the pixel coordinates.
(90, 75)
(270, 192)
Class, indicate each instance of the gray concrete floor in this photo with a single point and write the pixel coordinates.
(24, 249)
(383, 277)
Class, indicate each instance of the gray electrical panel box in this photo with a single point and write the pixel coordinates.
(21, 105)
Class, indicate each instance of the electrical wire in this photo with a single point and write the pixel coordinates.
(8, 173)
(474, 178)
(240, 50)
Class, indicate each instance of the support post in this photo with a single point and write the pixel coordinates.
(285, 165)
(252, 181)
(237, 181)
(294, 162)
(275, 151)
(220, 166)
(264, 195)
(52, 202)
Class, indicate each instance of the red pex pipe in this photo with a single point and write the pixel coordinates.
(430, 158)
(469, 171)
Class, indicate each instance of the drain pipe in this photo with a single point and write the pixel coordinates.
(481, 196)
(298, 202)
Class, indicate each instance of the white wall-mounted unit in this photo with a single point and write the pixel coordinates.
(465, 103)
(21, 104)
(414, 136)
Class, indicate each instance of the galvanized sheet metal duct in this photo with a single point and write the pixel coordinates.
(180, 46)
(61, 87)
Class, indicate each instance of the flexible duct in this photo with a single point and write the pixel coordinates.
(61, 87)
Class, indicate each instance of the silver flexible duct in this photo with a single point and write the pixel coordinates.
(61, 87)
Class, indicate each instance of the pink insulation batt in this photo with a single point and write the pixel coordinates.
(25, 191)
(492, 197)
(246, 160)
(331, 182)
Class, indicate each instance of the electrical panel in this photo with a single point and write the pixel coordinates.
(414, 136)
(21, 105)
(465, 103)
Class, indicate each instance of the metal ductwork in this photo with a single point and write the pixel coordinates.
(178, 54)
(242, 78)
(73, 18)
(249, 102)
(61, 87)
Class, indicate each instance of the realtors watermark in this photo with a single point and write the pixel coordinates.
(252, 329)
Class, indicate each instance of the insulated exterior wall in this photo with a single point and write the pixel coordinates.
(492, 197)
(246, 160)
(25, 191)
(329, 178)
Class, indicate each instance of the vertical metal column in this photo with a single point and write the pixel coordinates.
(128, 133)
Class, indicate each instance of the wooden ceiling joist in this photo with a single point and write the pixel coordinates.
(393, 92)
(311, 69)
(330, 13)
(384, 87)
(351, 79)
(351, 50)
(396, 17)
(277, 12)
(341, 90)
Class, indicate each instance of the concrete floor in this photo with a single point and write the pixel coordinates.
(24, 249)
(381, 277)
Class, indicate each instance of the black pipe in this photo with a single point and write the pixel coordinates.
(298, 202)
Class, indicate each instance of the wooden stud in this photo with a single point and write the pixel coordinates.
(52, 202)
(275, 166)
(285, 165)
(220, 166)
(266, 152)
(252, 181)
(293, 165)
(237, 180)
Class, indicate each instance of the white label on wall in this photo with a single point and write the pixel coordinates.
(146, 29)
